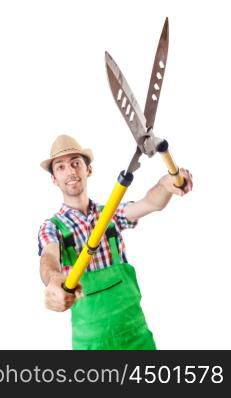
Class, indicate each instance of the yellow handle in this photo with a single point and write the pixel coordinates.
(95, 237)
(173, 169)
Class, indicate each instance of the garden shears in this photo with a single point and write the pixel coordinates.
(141, 125)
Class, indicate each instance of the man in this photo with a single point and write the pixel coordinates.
(106, 311)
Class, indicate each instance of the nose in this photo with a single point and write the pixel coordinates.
(70, 169)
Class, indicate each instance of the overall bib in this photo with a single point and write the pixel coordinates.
(109, 316)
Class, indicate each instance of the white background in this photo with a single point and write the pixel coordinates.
(53, 81)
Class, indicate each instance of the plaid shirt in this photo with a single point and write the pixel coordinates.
(81, 225)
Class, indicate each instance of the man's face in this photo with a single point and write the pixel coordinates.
(70, 174)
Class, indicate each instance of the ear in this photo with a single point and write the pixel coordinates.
(54, 179)
(89, 170)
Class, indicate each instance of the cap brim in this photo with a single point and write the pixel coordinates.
(85, 152)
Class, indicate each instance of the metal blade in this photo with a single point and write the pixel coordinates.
(157, 77)
(134, 164)
(126, 101)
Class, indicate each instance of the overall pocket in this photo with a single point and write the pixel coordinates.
(102, 288)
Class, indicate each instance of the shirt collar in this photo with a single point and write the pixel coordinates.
(66, 208)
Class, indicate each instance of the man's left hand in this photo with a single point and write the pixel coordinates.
(167, 182)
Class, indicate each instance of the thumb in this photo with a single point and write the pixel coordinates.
(79, 291)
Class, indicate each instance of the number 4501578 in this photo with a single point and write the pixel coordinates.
(178, 374)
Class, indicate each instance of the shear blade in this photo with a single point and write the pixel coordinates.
(157, 76)
(126, 101)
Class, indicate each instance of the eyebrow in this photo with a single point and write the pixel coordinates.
(61, 161)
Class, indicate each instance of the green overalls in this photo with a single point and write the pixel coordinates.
(109, 316)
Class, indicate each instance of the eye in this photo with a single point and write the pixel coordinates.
(76, 163)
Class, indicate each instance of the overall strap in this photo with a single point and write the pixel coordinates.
(68, 252)
(112, 237)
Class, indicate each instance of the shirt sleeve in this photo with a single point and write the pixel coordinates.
(47, 234)
(121, 219)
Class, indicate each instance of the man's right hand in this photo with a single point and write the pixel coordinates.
(56, 298)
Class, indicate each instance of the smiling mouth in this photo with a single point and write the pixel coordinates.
(72, 182)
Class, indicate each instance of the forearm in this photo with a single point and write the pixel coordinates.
(157, 197)
(49, 267)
